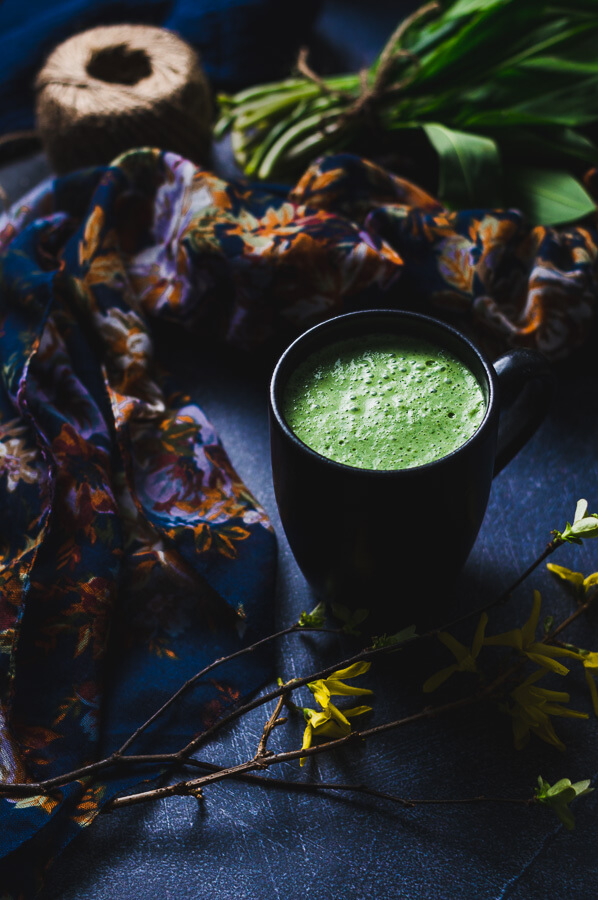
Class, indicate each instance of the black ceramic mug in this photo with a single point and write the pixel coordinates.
(371, 538)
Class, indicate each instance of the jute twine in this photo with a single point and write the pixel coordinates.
(121, 86)
(381, 84)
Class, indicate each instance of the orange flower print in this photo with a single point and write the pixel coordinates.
(127, 338)
(455, 264)
(45, 802)
(89, 805)
(91, 235)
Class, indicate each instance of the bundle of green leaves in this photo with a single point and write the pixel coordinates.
(503, 93)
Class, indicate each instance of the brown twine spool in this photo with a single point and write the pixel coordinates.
(121, 86)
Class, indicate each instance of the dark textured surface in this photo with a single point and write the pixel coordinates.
(256, 844)
(253, 843)
(263, 844)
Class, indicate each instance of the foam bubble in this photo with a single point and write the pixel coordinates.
(325, 389)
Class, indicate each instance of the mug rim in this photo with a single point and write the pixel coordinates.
(397, 314)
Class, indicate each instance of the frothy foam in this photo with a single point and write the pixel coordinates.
(383, 402)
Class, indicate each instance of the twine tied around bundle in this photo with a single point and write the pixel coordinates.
(116, 87)
(381, 85)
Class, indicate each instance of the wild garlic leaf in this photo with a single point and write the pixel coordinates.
(548, 196)
(466, 7)
(469, 165)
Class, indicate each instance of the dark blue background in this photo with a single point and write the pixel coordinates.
(240, 42)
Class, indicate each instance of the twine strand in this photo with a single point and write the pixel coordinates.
(370, 93)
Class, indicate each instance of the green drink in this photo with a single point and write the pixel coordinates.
(383, 402)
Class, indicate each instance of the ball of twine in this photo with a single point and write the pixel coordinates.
(121, 86)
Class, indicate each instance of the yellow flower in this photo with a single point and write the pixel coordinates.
(589, 659)
(466, 659)
(574, 578)
(523, 639)
(532, 708)
(325, 688)
(329, 722)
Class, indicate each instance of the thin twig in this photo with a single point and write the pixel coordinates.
(181, 788)
(286, 784)
(306, 70)
(312, 787)
(262, 748)
(548, 550)
(190, 786)
(43, 787)
(369, 654)
(506, 594)
(195, 678)
(243, 769)
(529, 801)
(390, 50)
(381, 75)
(574, 615)
(274, 694)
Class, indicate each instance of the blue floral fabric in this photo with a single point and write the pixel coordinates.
(131, 553)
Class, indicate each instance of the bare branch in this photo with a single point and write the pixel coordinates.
(195, 678)
(268, 728)
(182, 757)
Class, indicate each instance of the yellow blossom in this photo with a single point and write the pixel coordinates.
(466, 659)
(325, 688)
(329, 722)
(532, 708)
(589, 659)
(575, 578)
(524, 640)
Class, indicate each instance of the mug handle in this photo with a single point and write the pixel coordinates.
(526, 385)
